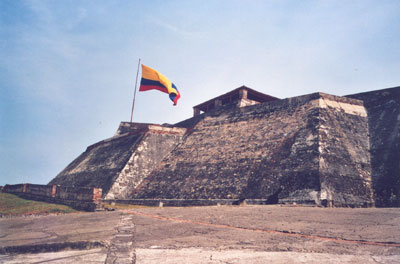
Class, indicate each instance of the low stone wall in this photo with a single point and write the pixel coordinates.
(197, 202)
(81, 198)
(175, 202)
(15, 188)
(40, 190)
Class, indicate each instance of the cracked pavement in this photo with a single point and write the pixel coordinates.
(218, 234)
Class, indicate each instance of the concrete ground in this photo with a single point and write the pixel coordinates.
(224, 234)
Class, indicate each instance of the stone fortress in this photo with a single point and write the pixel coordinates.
(245, 146)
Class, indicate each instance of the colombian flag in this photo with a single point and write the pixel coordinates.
(152, 79)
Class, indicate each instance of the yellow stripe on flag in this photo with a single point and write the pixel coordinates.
(151, 74)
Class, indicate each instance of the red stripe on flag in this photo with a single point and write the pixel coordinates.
(144, 88)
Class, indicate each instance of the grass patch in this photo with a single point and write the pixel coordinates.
(12, 205)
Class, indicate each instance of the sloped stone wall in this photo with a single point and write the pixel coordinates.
(316, 148)
(100, 165)
(117, 165)
(157, 143)
(345, 168)
(383, 108)
(220, 158)
(269, 151)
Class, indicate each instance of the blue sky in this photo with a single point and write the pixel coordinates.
(67, 68)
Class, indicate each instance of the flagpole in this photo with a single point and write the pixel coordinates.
(134, 95)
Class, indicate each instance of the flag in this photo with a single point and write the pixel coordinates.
(152, 79)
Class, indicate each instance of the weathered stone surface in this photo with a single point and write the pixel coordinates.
(344, 158)
(81, 198)
(215, 234)
(317, 148)
(118, 165)
(100, 164)
(269, 151)
(153, 147)
(122, 248)
(383, 107)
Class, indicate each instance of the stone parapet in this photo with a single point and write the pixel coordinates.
(128, 127)
(174, 202)
(82, 198)
(158, 129)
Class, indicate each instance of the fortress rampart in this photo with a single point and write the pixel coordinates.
(315, 149)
